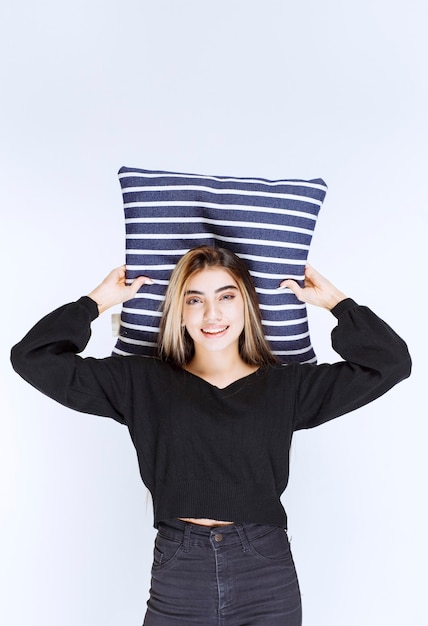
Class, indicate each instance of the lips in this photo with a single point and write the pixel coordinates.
(214, 331)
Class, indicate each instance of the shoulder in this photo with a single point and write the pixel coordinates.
(278, 373)
(150, 366)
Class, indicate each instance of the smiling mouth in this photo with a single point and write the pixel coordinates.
(214, 331)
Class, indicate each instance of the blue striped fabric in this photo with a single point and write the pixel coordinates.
(268, 223)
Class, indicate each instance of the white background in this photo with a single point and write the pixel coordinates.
(276, 89)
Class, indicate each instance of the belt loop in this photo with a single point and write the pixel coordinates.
(186, 538)
(243, 537)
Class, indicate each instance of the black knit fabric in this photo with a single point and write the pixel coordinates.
(206, 452)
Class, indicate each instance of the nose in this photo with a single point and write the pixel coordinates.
(212, 312)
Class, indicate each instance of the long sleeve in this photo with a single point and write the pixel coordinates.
(205, 451)
(47, 358)
(375, 359)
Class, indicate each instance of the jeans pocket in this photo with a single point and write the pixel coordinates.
(272, 547)
(165, 551)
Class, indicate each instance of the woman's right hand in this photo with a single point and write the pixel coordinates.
(114, 290)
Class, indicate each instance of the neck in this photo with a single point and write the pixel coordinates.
(219, 368)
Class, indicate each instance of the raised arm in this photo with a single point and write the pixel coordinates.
(48, 356)
(374, 357)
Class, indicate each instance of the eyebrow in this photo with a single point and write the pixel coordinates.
(194, 292)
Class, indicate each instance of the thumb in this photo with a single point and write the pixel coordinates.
(293, 286)
(139, 282)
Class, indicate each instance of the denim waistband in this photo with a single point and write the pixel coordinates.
(197, 535)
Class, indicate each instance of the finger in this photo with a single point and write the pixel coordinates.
(139, 282)
(313, 275)
(291, 284)
(119, 271)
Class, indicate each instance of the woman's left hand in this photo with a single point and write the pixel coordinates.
(317, 289)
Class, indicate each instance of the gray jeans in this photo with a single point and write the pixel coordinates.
(237, 575)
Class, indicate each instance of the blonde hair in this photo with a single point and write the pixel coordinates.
(174, 342)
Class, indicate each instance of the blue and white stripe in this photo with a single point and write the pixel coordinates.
(268, 223)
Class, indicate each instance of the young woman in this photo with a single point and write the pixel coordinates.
(212, 421)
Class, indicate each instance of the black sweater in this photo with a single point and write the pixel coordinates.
(206, 452)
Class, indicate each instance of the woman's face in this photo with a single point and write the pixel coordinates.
(213, 310)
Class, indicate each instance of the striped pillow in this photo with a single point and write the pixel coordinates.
(269, 224)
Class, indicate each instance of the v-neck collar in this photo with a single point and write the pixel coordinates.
(243, 379)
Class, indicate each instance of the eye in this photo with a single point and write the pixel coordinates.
(193, 301)
(228, 296)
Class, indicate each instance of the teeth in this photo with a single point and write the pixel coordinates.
(213, 331)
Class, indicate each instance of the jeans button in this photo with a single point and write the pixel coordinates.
(218, 537)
